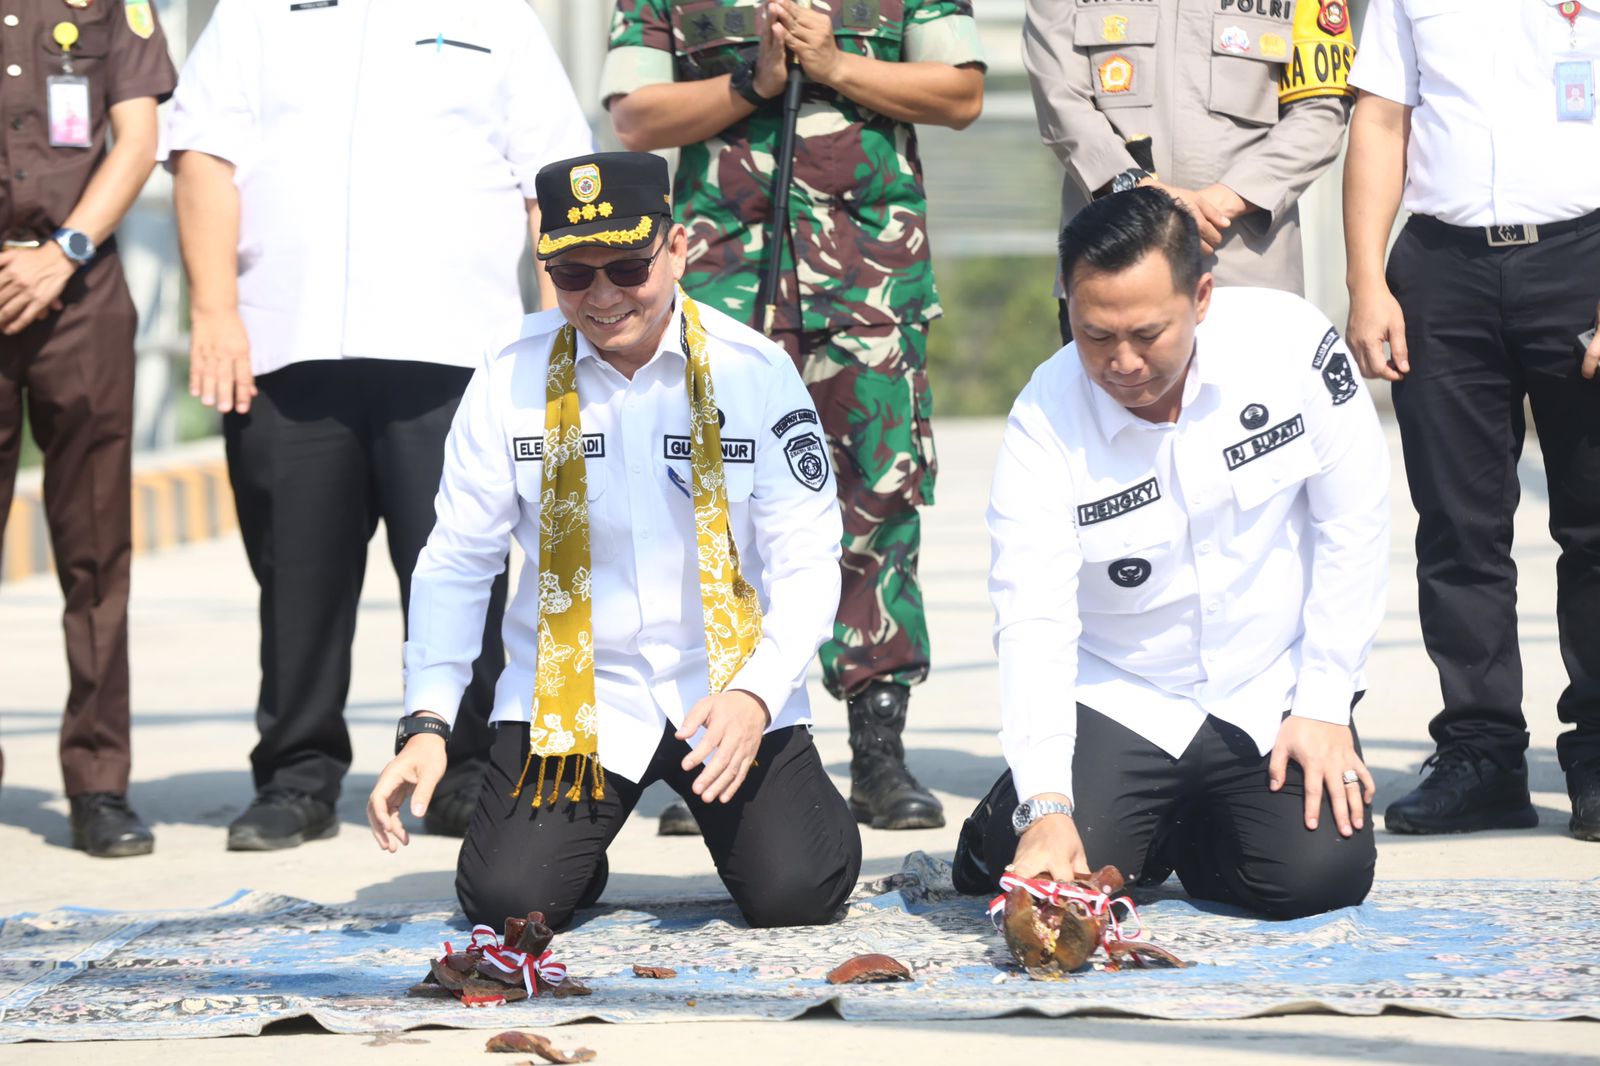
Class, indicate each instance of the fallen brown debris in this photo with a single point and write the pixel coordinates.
(866, 969)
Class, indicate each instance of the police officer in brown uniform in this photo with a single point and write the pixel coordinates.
(76, 71)
(1233, 106)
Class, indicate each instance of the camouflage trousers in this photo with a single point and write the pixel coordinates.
(870, 385)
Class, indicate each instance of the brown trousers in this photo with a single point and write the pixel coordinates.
(74, 371)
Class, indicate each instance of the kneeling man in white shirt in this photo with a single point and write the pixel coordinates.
(682, 547)
(1190, 524)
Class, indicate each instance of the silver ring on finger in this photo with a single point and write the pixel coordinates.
(1351, 777)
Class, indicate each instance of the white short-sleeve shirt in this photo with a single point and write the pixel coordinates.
(1480, 77)
(383, 152)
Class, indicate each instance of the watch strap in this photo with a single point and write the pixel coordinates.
(413, 724)
(744, 83)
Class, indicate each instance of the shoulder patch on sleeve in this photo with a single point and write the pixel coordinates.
(794, 418)
(808, 461)
(1329, 339)
(1333, 361)
(1322, 51)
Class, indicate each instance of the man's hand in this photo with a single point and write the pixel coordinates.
(1051, 846)
(1375, 317)
(31, 280)
(772, 62)
(1591, 356)
(219, 361)
(415, 772)
(1324, 752)
(1207, 211)
(734, 722)
(807, 33)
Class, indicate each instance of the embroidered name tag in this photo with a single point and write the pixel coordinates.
(1248, 451)
(734, 449)
(1123, 502)
(531, 449)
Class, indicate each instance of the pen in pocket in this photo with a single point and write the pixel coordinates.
(683, 486)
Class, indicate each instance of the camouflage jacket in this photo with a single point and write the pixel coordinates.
(858, 213)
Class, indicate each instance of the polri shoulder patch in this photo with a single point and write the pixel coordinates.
(1252, 448)
(1130, 499)
(798, 416)
(1329, 339)
(807, 461)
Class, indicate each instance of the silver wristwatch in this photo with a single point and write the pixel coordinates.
(1031, 811)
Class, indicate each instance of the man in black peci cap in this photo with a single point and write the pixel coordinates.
(681, 544)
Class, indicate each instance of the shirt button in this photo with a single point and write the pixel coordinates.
(1213, 607)
(14, 70)
(644, 534)
(11, 20)
(1204, 549)
(635, 468)
(22, 175)
(16, 123)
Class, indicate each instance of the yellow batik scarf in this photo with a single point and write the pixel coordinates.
(565, 722)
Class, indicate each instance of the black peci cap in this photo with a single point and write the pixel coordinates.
(608, 199)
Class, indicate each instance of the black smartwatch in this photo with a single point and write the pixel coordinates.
(412, 724)
(744, 83)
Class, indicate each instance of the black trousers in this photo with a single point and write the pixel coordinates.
(1208, 814)
(327, 449)
(1487, 327)
(786, 847)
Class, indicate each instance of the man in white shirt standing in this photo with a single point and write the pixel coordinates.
(354, 190)
(1190, 551)
(682, 546)
(1481, 114)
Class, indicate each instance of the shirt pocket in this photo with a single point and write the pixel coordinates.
(1247, 55)
(1128, 560)
(530, 486)
(1278, 472)
(1120, 41)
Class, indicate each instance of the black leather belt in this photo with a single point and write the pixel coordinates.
(1507, 236)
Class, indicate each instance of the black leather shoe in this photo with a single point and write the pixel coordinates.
(450, 812)
(106, 827)
(281, 818)
(677, 821)
(1467, 791)
(1583, 785)
(883, 793)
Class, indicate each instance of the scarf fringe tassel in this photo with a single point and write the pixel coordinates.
(585, 763)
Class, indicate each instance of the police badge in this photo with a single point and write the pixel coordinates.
(807, 462)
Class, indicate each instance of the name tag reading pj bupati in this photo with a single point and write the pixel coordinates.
(68, 104)
(1575, 90)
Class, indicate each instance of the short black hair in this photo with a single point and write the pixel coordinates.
(1114, 232)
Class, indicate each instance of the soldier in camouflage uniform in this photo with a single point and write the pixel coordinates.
(857, 290)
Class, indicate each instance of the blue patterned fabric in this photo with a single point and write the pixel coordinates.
(1468, 949)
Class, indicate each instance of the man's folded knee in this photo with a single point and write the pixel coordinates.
(1304, 887)
(799, 898)
(492, 904)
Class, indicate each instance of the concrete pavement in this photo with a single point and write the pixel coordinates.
(195, 676)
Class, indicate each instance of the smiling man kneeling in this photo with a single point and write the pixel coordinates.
(1190, 532)
(639, 651)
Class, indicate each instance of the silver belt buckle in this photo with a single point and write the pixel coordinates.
(1510, 236)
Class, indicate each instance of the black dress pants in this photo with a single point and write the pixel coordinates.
(1208, 814)
(1487, 327)
(326, 450)
(786, 846)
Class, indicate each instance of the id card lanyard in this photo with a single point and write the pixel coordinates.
(1574, 72)
(67, 96)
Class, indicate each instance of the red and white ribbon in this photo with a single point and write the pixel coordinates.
(486, 946)
(1121, 917)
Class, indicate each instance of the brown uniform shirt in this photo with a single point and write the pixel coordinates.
(120, 49)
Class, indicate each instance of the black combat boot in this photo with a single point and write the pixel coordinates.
(677, 820)
(106, 827)
(882, 791)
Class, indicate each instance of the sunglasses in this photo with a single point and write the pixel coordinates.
(624, 273)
